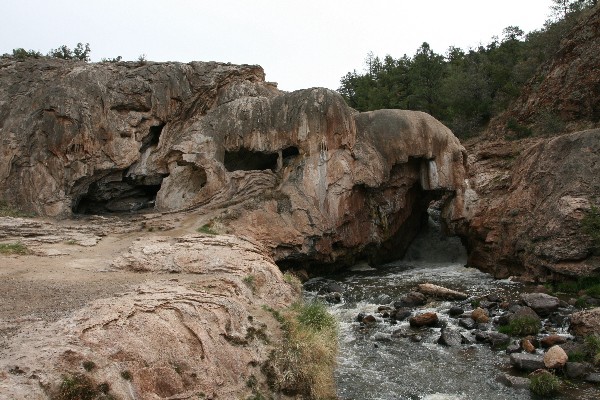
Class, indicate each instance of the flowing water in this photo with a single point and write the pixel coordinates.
(388, 361)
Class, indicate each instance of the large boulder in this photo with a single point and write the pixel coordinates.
(311, 178)
(586, 322)
(555, 357)
(543, 304)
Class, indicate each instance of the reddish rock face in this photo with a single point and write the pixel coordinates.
(314, 180)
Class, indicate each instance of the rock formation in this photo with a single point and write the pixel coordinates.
(301, 172)
(527, 197)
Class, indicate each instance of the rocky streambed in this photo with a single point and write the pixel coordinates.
(463, 335)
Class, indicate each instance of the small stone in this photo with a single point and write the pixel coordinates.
(450, 337)
(552, 340)
(514, 381)
(333, 297)
(494, 298)
(381, 337)
(555, 357)
(593, 377)
(480, 315)
(455, 311)
(382, 309)
(513, 348)
(498, 340)
(527, 362)
(425, 319)
(467, 323)
(360, 317)
(369, 319)
(411, 299)
(527, 346)
(400, 314)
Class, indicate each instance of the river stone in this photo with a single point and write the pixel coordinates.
(450, 337)
(543, 304)
(586, 322)
(480, 315)
(524, 312)
(369, 319)
(400, 314)
(593, 377)
(527, 362)
(333, 297)
(494, 298)
(513, 348)
(514, 381)
(527, 346)
(331, 287)
(555, 357)
(467, 323)
(411, 299)
(441, 292)
(498, 340)
(425, 319)
(575, 370)
(552, 340)
(455, 311)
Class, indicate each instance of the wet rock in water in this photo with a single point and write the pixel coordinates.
(369, 319)
(552, 340)
(513, 348)
(586, 322)
(382, 337)
(455, 311)
(400, 314)
(441, 292)
(467, 323)
(360, 317)
(450, 337)
(488, 305)
(480, 315)
(383, 309)
(425, 319)
(331, 287)
(555, 357)
(494, 298)
(514, 381)
(543, 304)
(411, 299)
(416, 338)
(527, 362)
(333, 297)
(576, 370)
(527, 346)
(498, 340)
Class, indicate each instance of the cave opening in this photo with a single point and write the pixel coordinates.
(118, 194)
(248, 160)
(153, 137)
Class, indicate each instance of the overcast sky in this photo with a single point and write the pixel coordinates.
(300, 44)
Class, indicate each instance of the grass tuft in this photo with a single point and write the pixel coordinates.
(521, 326)
(544, 383)
(13, 248)
(305, 363)
(81, 387)
(207, 229)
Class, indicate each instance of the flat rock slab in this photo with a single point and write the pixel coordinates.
(543, 304)
(527, 362)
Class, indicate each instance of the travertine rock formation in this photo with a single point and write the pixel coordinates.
(198, 332)
(301, 172)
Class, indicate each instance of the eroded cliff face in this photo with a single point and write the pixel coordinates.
(315, 181)
(527, 197)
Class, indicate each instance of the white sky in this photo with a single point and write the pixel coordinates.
(299, 43)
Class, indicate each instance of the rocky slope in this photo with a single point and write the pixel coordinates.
(136, 315)
(533, 177)
(301, 172)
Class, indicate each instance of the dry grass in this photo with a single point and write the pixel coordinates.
(305, 363)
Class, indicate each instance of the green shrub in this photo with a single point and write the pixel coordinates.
(521, 326)
(544, 383)
(13, 248)
(89, 365)
(207, 229)
(7, 210)
(250, 281)
(127, 375)
(293, 281)
(77, 387)
(519, 131)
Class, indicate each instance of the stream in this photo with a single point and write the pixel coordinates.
(387, 361)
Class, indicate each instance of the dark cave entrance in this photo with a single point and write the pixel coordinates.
(117, 193)
(248, 160)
